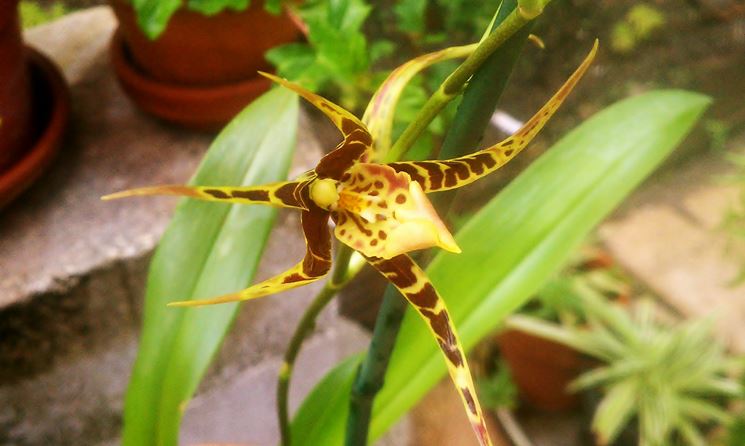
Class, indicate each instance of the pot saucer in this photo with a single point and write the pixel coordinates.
(202, 107)
(51, 111)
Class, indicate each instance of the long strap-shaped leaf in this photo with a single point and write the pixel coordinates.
(285, 194)
(315, 264)
(449, 174)
(414, 284)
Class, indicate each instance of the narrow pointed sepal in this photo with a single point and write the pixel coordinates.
(457, 172)
(345, 121)
(285, 194)
(415, 286)
(315, 265)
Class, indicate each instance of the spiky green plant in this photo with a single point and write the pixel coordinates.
(671, 378)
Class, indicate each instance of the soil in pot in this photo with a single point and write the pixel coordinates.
(15, 87)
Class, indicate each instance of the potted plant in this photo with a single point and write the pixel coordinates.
(34, 107)
(543, 368)
(672, 380)
(196, 63)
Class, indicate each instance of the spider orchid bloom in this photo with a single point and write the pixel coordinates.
(381, 211)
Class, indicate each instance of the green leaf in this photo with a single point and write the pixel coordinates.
(208, 249)
(153, 15)
(515, 243)
(410, 15)
(212, 7)
(614, 411)
(293, 60)
(327, 391)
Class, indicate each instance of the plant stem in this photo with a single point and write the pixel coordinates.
(453, 85)
(469, 125)
(373, 369)
(341, 275)
(371, 373)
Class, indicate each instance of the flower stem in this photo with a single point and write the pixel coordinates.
(453, 85)
(343, 272)
(489, 79)
(371, 373)
(372, 370)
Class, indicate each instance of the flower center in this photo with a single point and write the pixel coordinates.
(323, 193)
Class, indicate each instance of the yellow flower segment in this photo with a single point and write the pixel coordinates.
(382, 213)
(380, 210)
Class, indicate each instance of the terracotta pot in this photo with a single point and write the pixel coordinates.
(15, 87)
(203, 67)
(542, 369)
(196, 107)
(51, 111)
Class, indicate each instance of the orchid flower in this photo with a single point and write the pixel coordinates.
(381, 211)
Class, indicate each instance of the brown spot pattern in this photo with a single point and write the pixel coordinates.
(348, 126)
(335, 164)
(411, 170)
(475, 165)
(217, 193)
(435, 173)
(294, 277)
(286, 193)
(469, 400)
(253, 195)
(424, 298)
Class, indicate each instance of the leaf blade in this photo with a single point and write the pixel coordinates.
(206, 250)
(533, 223)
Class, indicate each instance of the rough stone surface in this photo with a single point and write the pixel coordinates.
(243, 410)
(73, 268)
(60, 227)
(439, 420)
(670, 237)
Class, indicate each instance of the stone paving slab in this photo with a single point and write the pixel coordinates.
(669, 236)
(74, 268)
(243, 410)
(59, 227)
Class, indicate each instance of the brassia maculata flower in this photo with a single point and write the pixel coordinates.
(381, 211)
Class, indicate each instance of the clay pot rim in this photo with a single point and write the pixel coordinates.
(8, 9)
(33, 161)
(142, 81)
(189, 97)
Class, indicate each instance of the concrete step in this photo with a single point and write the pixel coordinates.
(74, 268)
(670, 236)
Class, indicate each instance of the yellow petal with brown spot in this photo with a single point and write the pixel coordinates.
(382, 213)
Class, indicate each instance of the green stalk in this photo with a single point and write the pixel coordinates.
(480, 99)
(371, 372)
(475, 112)
(342, 273)
(453, 85)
